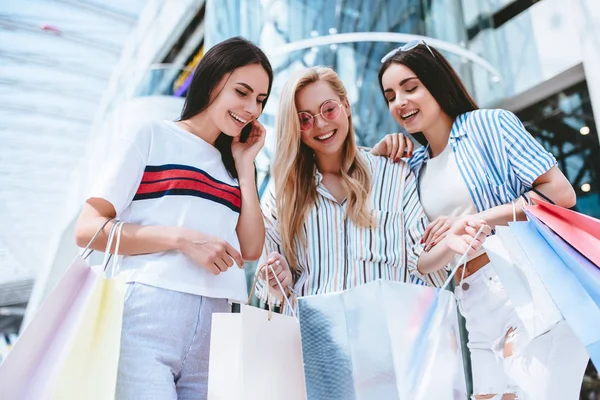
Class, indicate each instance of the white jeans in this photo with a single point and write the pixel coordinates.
(548, 367)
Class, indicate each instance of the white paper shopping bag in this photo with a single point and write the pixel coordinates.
(255, 354)
(533, 303)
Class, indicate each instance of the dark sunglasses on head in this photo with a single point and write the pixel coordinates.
(408, 46)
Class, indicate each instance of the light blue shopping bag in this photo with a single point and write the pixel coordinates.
(561, 271)
(382, 340)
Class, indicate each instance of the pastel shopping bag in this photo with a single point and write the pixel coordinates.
(91, 367)
(41, 361)
(579, 230)
(531, 299)
(586, 272)
(579, 309)
(382, 340)
(255, 354)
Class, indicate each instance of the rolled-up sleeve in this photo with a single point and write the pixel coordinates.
(415, 222)
(527, 157)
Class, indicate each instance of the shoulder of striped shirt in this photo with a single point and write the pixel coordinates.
(377, 163)
(472, 119)
(486, 114)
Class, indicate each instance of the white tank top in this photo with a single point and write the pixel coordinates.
(443, 190)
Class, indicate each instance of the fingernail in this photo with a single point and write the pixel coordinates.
(422, 241)
(278, 262)
(472, 224)
(397, 159)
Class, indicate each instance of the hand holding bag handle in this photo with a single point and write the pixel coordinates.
(269, 302)
(463, 261)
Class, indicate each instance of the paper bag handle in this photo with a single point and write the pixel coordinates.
(87, 248)
(286, 299)
(463, 261)
(116, 230)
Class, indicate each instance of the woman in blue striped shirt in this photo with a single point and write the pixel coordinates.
(475, 164)
(337, 217)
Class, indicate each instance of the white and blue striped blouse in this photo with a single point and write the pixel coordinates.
(340, 255)
(498, 159)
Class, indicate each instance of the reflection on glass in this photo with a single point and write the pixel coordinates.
(564, 124)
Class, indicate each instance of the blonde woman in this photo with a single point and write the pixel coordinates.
(337, 217)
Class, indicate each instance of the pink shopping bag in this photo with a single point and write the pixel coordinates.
(579, 230)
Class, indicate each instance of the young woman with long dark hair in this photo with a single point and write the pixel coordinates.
(187, 193)
(476, 164)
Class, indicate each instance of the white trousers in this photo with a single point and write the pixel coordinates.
(504, 358)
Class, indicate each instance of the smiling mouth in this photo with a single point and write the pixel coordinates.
(409, 114)
(326, 136)
(238, 119)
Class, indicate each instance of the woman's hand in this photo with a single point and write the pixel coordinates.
(282, 271)
(245, 153)
(437, 230)
(210, 252)
(394, 146)
(463, 233)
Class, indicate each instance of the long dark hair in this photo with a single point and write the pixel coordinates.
(437, 75)
(222, 59)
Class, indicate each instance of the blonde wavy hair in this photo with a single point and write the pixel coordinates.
(293, 169)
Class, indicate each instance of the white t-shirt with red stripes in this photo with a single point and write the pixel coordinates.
(163, 175)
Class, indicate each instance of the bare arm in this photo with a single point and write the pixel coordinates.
(552, 184)
(135, 239)
(250, 228)
(207, 251)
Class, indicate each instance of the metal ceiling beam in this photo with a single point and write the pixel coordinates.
(387, 37)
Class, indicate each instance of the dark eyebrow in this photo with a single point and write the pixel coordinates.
(403, 81)
(250, 88)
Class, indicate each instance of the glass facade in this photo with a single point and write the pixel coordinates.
(274, 23)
